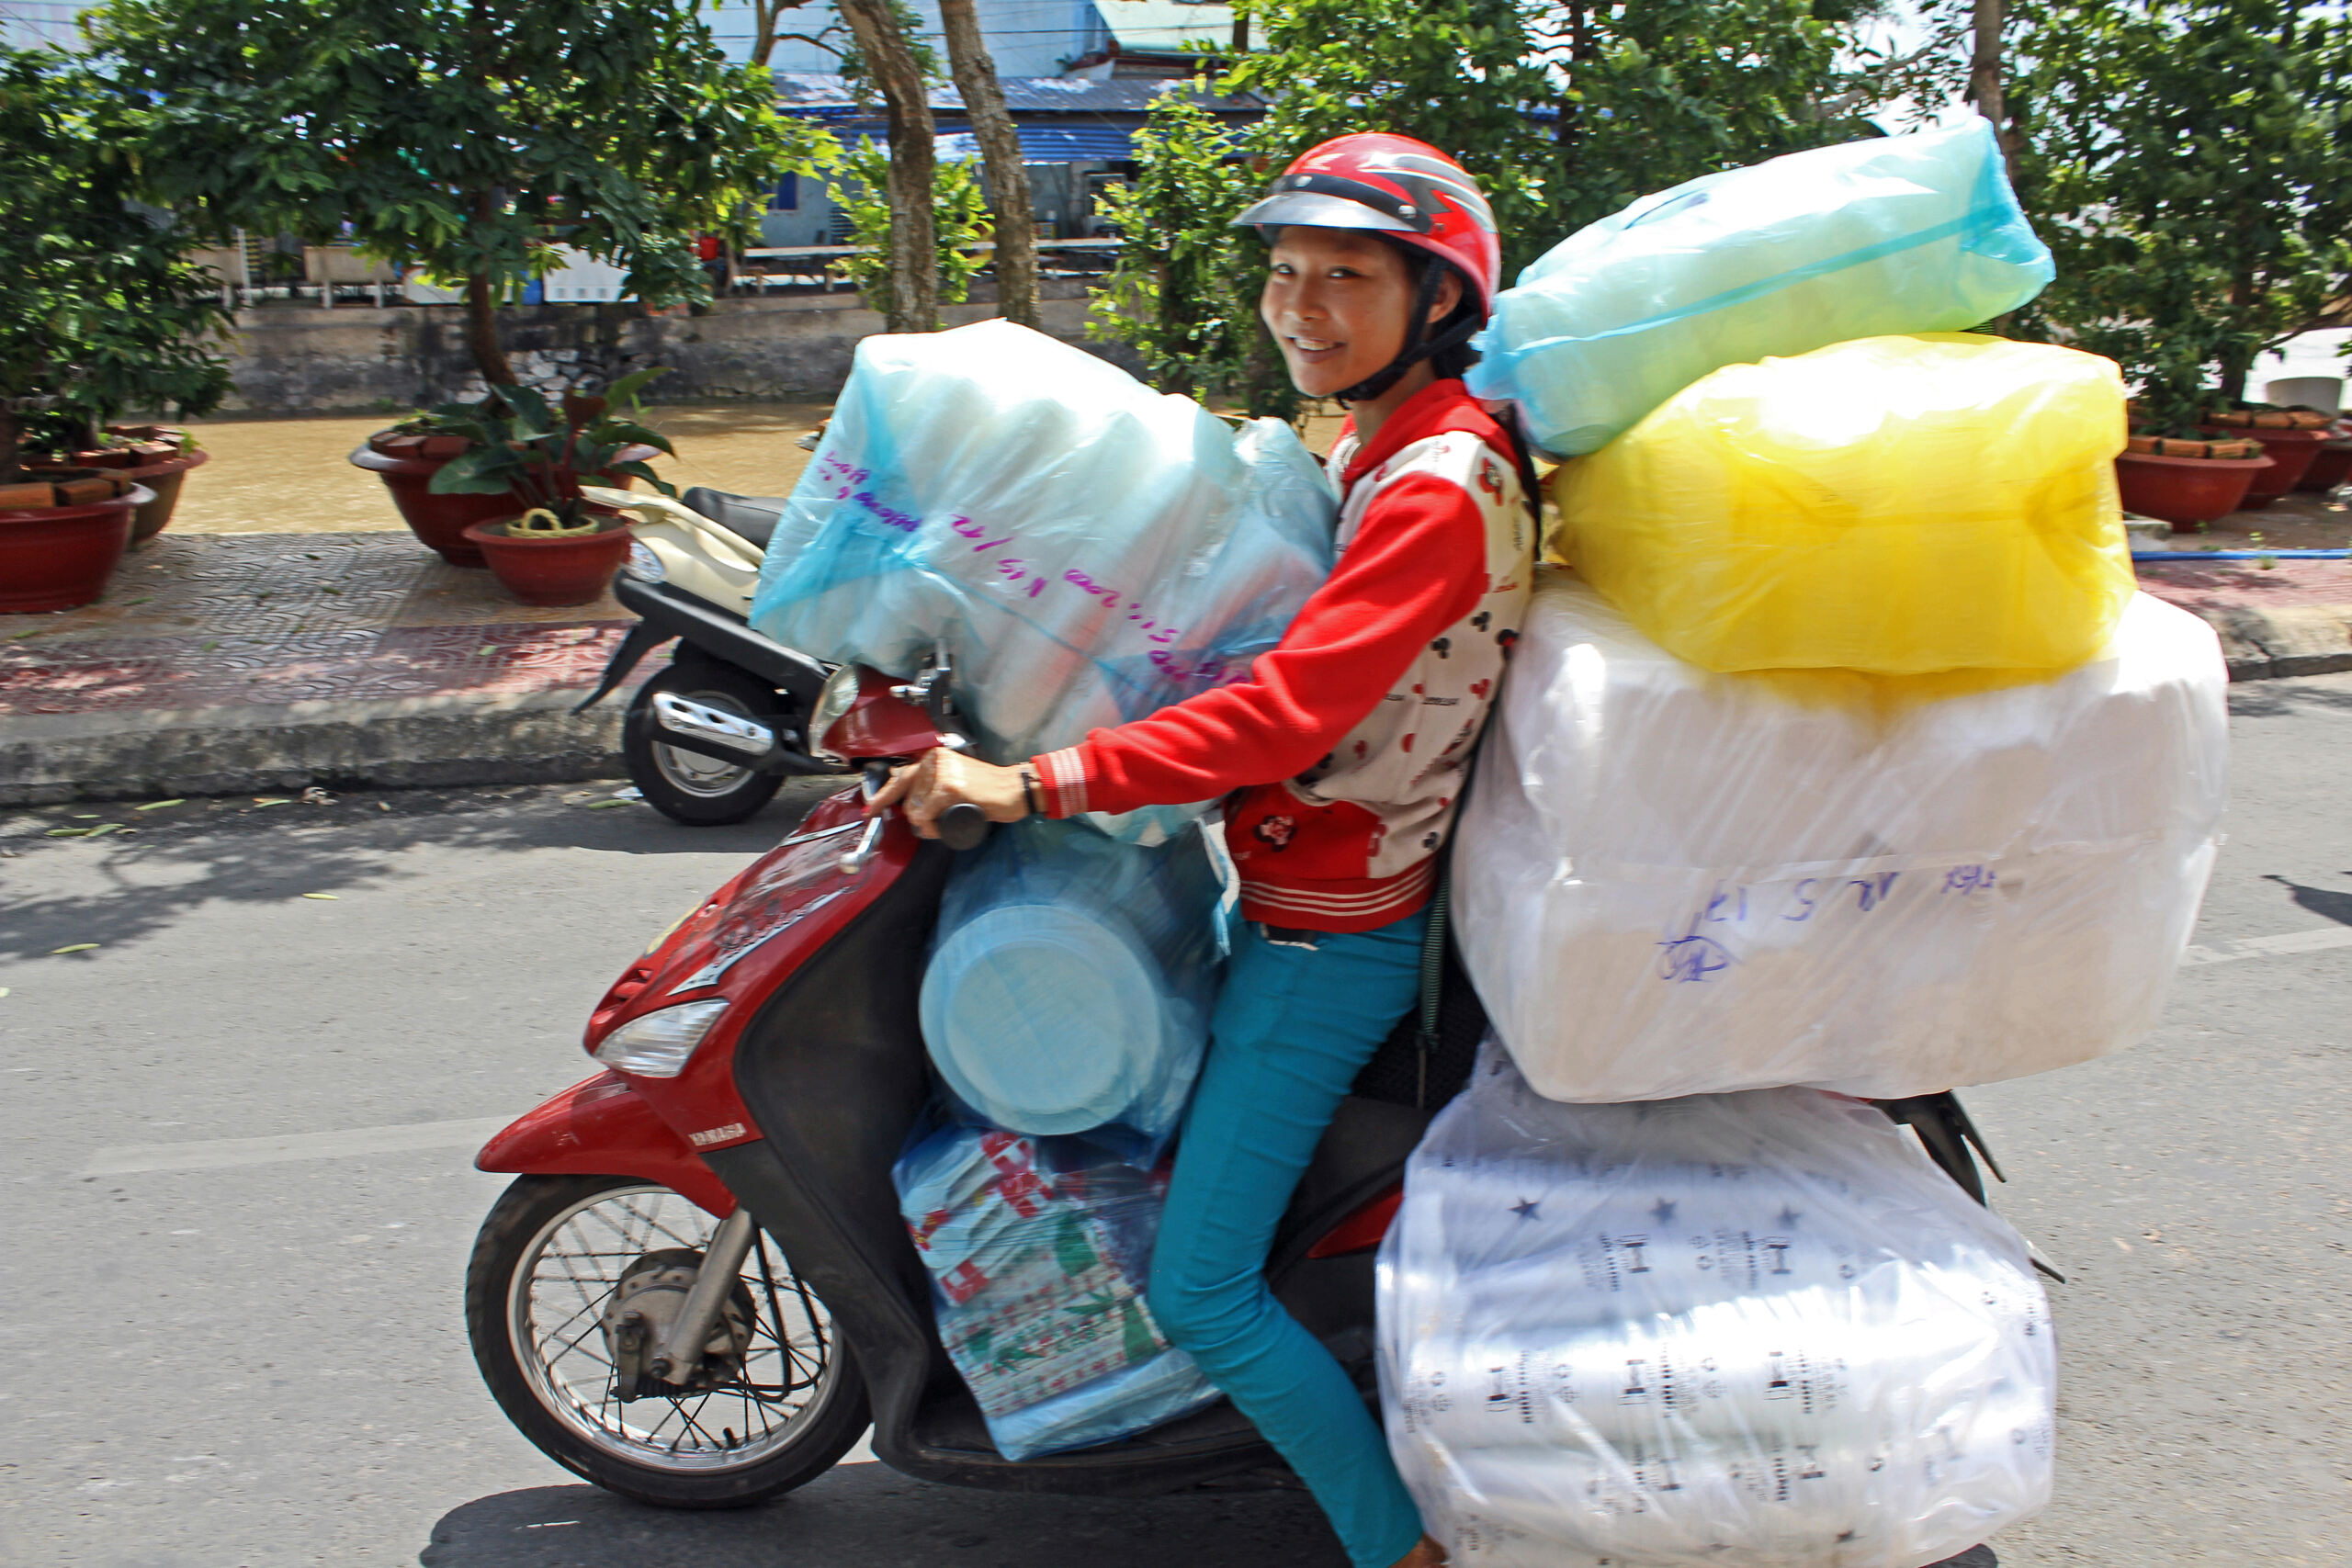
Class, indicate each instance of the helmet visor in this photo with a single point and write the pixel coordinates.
(1315, 210)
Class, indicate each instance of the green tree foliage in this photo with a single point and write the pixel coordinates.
(1564, 113)
(2186, 160)
(959, 219)
(467, 137)
(99, 310)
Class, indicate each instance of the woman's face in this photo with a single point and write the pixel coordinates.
(1337, 301)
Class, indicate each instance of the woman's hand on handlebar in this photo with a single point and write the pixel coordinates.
(940, 779)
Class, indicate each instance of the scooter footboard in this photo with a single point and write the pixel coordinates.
(602, 1127)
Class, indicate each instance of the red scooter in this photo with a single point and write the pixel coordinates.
(699, 1291)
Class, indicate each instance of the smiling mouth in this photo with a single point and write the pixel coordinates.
(1314, 347)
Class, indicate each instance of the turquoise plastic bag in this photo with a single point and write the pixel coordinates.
(1089, 550)
(1072, 977)
(1916, 234)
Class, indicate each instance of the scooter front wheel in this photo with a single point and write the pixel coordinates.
(546, 1267)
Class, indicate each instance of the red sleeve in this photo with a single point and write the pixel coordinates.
(1417, 564)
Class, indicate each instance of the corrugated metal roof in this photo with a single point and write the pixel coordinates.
(826, 94)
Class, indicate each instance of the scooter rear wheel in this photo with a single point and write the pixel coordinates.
(685, 786)
(544, 1267)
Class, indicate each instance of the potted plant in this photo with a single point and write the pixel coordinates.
(548, 544)
(158, 457)
(2290, 438)
(2186, 165)
(2187, 480)
(484, 148)
(100, 310)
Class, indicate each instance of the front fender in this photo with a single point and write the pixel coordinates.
(603, 1127)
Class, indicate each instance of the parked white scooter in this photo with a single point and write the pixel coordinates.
(690, 574)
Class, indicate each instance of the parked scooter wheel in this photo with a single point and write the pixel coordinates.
(545, 1269)
(685, 786)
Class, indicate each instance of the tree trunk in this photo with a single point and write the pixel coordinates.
(1984, 72)
(914, 253)
(482, 333)
(764, 14)
(1008, 180)
(8, 427)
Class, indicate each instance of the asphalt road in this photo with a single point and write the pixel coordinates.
(221, 1361)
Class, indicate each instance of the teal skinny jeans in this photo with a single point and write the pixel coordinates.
(1294, 1026)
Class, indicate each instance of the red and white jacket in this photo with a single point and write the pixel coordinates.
(1348, 740)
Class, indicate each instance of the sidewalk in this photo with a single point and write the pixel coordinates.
(226, 662)
(268, 662)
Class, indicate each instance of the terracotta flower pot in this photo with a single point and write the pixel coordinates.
(570, 570)
(154, 460)
(2185, 491)
(56, 558)
(407, 464)
(2290, 452)
(2331, 465)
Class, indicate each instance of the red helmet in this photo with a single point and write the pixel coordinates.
(1394, 185)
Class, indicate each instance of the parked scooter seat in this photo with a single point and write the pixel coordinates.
(749, 517)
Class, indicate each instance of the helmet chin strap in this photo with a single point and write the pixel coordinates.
(1419, 345)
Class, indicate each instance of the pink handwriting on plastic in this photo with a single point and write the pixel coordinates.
(1207, 672)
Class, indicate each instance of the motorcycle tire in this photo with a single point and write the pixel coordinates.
(512, 1239)
(701, 791)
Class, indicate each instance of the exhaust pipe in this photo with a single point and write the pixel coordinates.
(730, 738)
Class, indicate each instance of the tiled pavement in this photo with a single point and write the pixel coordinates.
(227, 661)
(263, 619)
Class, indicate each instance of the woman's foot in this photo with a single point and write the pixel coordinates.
(1426, 1554)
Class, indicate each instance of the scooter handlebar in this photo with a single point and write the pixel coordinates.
(962, 826)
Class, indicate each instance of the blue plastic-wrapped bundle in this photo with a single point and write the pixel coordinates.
(1916, 234)
(1038, 1251)
(1087, 551)
(1072, 977)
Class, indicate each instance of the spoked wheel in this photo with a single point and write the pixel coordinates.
(687, 786)
(545, 1269)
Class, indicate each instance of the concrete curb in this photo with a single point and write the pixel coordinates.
(405, 742)
(2286, 640)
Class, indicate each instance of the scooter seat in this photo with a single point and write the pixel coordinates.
(749, 517)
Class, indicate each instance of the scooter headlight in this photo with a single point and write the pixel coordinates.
(838, 697)
(659, 1045)
(643, 564)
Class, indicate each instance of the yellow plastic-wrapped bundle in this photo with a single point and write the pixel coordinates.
(1893, 506)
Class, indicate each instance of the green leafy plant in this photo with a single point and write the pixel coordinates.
(465, 138)
(959, 222)
(1564, 113)
(100, 310)
(2184, 160)
(540, 452)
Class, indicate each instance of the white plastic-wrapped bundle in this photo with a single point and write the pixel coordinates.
(1916, 234)
(1072, 979)
(1756, 1328)
(1673, 882)
(1088, 550)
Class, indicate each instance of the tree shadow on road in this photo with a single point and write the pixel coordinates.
(233, 850)
(868, 1515)
(2282, 699)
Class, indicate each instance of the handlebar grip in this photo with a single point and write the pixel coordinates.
(963, 827)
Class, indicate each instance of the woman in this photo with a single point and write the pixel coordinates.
(1341, 757)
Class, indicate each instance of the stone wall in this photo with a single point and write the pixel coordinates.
(292, 360)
